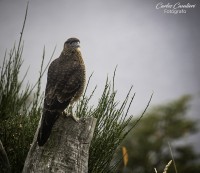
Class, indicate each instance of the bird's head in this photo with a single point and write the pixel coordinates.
(72, 43)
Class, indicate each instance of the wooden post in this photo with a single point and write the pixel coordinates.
(67, 149)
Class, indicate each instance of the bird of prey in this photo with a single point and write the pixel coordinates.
(65, 85)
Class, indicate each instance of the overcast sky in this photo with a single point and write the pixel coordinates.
(155, 52)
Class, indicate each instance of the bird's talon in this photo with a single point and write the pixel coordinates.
(76, 119)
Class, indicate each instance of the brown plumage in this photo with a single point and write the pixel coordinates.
(65, 85)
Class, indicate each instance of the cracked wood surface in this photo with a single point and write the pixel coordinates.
(67, 149)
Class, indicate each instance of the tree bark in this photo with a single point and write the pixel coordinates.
(4, 162)
(66, 150)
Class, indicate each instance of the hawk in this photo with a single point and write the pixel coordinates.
(65, 85)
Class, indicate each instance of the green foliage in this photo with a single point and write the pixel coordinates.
(147, 144)
(18, 117)
(19, 113)
(112, 120)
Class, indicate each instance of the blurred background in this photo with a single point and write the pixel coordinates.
(153, 51)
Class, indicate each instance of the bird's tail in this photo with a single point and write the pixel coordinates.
(47, 122)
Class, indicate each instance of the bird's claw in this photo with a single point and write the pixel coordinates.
(69, 113)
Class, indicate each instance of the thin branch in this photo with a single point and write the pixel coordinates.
(174, 163)
(143, 112)
(22, 31)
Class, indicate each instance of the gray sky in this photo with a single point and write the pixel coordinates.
(155, 52)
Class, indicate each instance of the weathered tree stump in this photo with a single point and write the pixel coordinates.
(67, 149)
(4, 162)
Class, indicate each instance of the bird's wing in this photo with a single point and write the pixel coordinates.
(67, 90)
(62, 84)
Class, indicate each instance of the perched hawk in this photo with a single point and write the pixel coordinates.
(65, 85)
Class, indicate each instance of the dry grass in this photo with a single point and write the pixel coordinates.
(166, 167)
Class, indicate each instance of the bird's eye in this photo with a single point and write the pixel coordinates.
(75, 43)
